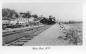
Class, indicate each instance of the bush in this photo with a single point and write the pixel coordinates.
(73, 36)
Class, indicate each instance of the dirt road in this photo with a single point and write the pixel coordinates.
(48, 37)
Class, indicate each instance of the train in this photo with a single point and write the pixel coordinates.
(48, 21)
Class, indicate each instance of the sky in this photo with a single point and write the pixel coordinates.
(61, 11)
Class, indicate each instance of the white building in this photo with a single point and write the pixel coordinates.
(13, 22)
(5, 21)
(31, 19)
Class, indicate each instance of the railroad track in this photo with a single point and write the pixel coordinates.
(17, 30)
(29, 35)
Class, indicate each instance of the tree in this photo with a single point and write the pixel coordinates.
(35, 16)
(8, 13)
(25, 15)
(28, 15)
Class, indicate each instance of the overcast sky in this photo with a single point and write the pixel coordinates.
(62, 11)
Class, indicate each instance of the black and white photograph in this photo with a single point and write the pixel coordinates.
(42, 24)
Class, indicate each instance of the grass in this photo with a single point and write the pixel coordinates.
(72, 34)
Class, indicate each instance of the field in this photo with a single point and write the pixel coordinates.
(72, 34)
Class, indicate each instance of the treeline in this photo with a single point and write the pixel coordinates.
(8, 14)
(71, 22)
